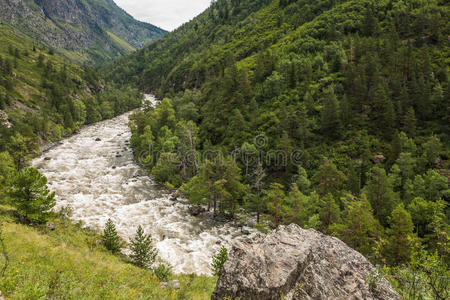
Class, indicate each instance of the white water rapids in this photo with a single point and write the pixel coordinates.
(100, 180)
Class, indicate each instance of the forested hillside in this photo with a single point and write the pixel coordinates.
(44, 97)
(85, 31)
(330, 114)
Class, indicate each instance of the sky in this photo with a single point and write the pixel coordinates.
(167, 14)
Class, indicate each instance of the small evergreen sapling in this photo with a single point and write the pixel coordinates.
(219, 260)
(143, 254)
(110, 237)
(163, 272)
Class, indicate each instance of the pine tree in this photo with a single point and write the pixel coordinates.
(30, 194)
(380, 194)
(256, 202)
(382, 113)
(274, 198)
(329, 211)
(302, 181)
(409, 122)
(218, 261)
(110, 237)
(400, 243)
(360, 230)
(296, 210)
(328, 179)
(143, 254)
(331, 123)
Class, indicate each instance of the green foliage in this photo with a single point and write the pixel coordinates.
(380, 194)
(274, 197)
(360, 230)
(163, 272)
(143, 254)
(362, 84)
(110, 238)
(218, 261)
(7, 173)
(400, 237)
(424, 277)
(217, 183)
(30, 195)
(67, 263)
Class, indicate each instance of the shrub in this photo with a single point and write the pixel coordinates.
(219, 260)
(163, 272)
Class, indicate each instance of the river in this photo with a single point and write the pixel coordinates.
(94, 173)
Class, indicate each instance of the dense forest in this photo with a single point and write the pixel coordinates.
(330, 114)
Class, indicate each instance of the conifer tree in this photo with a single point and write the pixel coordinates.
(30, 194)
(110, 237)
(380, 194)
(331, 123)
(219, 260)
(143, 254)
(409, 122)
(360, 230)
(329, 211)
(274, 198)
(328, 179)
(400, 242)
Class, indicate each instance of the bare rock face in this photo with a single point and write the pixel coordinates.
(294, 263)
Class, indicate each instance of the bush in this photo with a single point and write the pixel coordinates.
(219, 260)
(163, 272)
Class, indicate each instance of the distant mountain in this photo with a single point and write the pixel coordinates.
(85, 31)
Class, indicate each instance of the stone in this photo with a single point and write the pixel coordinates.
(173, 284)
(196, 210)
(50, 226)
(379, 159)
(98, 139)
(294, 263)
(245, 232)
(48, 158)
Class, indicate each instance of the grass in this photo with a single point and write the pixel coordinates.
(121, 43)
(68, 263)
(27, 79)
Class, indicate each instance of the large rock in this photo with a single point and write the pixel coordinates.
(294, 263)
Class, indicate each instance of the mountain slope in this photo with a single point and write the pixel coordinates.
(83, 30)
(44, 97)
(329, 114)
(70, 263)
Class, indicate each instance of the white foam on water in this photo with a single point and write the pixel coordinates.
(81, 174)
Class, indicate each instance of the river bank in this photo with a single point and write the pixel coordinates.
(94, 173)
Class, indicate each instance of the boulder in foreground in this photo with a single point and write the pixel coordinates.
(294, 263)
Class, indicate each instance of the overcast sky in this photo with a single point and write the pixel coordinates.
(167, 14)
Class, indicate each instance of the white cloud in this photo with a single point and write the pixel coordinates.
(167, 14)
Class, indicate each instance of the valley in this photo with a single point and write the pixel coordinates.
(264, 149)
(99, 180)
